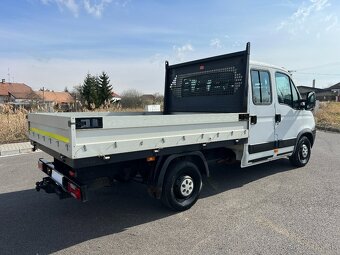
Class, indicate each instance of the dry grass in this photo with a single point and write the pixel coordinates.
(13, 127)
(329, 115)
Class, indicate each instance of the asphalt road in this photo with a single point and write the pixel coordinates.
(267, 209)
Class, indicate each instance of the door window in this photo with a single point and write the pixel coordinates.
(296, 97)
(286, 91)
(260, 81)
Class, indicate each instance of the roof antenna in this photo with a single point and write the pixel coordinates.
(9, 76)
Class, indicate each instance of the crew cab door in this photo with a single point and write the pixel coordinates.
(262, 119)
(289, 115)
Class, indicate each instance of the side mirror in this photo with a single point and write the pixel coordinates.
(310, 100)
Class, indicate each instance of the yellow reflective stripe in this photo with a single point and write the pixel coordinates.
(51, 135)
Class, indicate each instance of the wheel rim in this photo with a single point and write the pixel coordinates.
(184, 186)
(303, 153)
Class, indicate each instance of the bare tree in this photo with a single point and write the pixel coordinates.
(131, 99)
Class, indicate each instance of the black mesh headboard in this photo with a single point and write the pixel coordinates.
(217, 84)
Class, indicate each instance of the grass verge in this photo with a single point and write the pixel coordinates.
(328, 116)
(13, 127)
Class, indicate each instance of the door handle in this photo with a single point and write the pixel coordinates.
(253, 120)
(277, 118)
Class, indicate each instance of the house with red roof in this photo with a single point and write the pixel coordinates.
(53, 97)
(115, 98)
(16, 93)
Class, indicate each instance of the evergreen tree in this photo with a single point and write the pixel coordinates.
(89, 91)
(105, 89)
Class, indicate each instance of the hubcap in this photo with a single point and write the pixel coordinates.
(304, 150)
(186, 185)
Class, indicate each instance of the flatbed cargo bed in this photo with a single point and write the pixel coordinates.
(119, 133)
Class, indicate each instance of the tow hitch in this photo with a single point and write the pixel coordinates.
(50, 186)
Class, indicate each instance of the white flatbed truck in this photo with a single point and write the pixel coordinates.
(219, 108)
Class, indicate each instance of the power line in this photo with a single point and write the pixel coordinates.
(318, 66)
(325, 74)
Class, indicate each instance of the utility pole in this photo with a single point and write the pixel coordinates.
(337, 98)
(75, 102)
(43, 95)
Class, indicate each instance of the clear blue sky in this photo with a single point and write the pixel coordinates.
(54, 43)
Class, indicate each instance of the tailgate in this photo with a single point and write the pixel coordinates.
(52, 131)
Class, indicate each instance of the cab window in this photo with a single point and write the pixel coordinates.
(296, 97)
(286, 91)
(260, 81)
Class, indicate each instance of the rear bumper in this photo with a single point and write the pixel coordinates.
(60, 184)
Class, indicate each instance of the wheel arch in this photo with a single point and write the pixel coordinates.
(300, 160)
(309, 133)
(196, 157)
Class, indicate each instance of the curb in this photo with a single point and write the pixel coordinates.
(15, 148)
(330, 129)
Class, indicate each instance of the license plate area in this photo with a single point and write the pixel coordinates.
(57, 177)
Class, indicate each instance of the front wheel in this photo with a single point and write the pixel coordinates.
(302, 152)
(182, 186)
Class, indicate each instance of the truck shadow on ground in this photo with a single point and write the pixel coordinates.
(227, 177)
(38, 223)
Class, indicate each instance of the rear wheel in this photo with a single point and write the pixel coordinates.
(182, 186)
(302, 152)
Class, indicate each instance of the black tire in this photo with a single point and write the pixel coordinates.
(182, 186)
(302, 152)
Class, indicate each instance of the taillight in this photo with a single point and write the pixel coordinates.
(74, 190)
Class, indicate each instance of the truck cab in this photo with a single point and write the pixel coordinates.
(278, 115)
